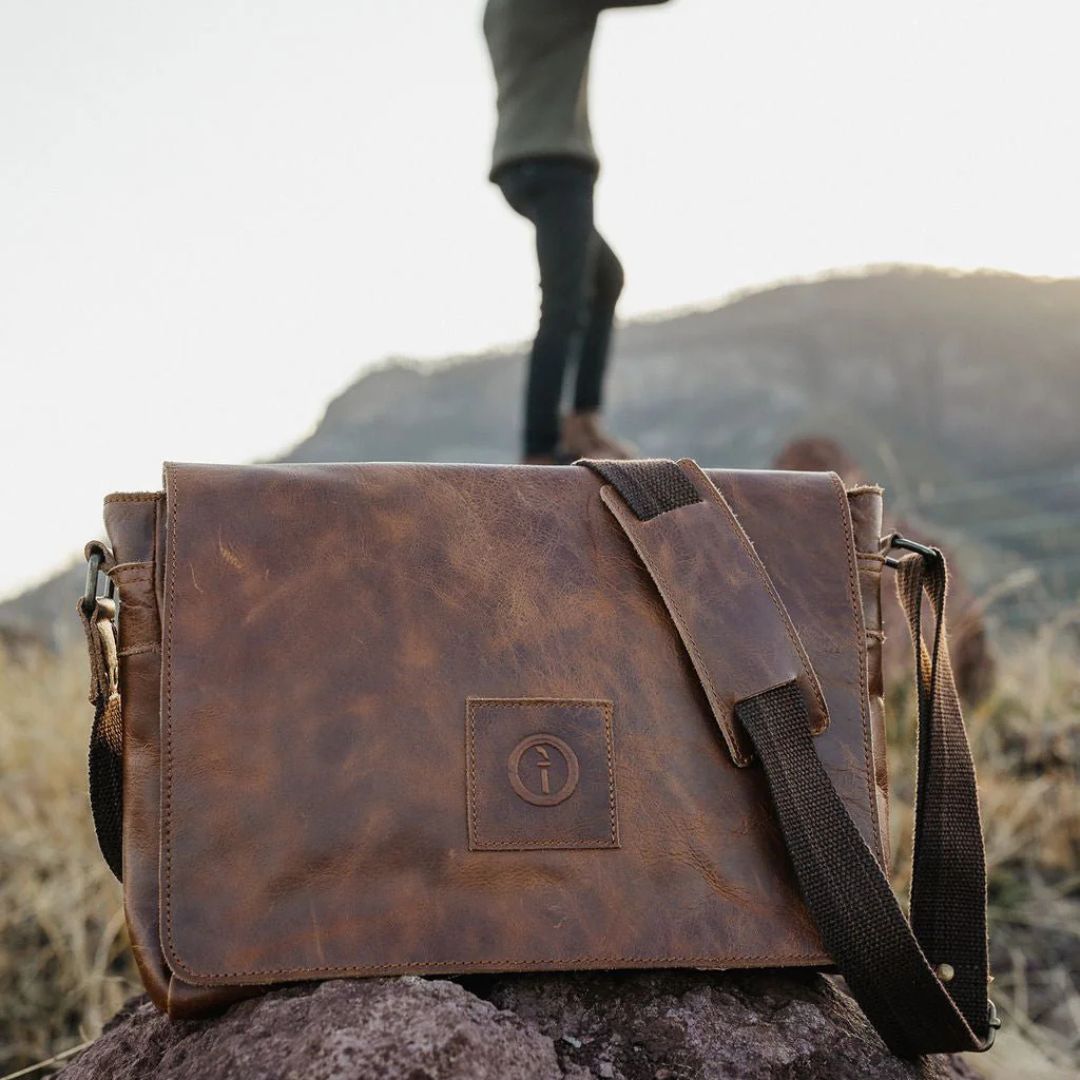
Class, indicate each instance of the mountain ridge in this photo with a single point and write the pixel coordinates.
(957, 391)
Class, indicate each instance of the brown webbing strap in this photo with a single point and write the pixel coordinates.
(105, 764)
(922, 985)
(650, 486)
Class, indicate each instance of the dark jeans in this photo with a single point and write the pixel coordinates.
(580, 282)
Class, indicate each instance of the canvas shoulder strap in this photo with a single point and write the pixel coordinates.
(97, 612)
(922, 984)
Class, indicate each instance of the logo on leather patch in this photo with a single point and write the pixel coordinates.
(536, 755)
(541, 773)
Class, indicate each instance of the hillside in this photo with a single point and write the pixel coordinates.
(958, 392)
(893, 357)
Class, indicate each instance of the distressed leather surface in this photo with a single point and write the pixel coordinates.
(323, 628)
(131, 521)
(738, 644)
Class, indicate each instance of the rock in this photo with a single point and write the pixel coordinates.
(706, 1025)
(408, 1027)
(626, 1026)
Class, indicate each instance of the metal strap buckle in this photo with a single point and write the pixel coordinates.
(993, 1025)
(910, 545)
(94, 562)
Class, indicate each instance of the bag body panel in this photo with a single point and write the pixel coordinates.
(131, 522)
(458, 582)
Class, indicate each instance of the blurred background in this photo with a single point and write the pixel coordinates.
(236, 231)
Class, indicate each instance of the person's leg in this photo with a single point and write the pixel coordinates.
(582, 434)
(607, 284)
(557, 197)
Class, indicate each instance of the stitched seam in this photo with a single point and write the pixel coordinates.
(470, 722)
(134, 650)
(524, 843)
(476, 842)
(134, 496)
(718, 500)
(767, 959)
(172, 487)
(158, 565)
(860, 652)
(526, 703)
(609, 743)
(864, 489)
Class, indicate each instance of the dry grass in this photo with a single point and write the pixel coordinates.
(64, 967)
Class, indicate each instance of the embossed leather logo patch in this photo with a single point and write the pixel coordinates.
(541, 773)
(542, 747)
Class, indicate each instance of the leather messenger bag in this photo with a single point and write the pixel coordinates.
(437, 719)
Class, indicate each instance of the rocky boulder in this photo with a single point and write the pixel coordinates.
(640, 1026)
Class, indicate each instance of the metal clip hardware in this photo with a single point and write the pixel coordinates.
(910, 545)
(94, 562)
(994, 1024)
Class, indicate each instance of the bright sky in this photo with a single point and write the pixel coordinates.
(214, 213)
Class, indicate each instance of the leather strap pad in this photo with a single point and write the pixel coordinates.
(733, 624)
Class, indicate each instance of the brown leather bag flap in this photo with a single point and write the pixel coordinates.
(437, 718)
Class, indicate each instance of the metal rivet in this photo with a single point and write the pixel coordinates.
(946, 972)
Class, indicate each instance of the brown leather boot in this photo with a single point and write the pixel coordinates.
(583, 437)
